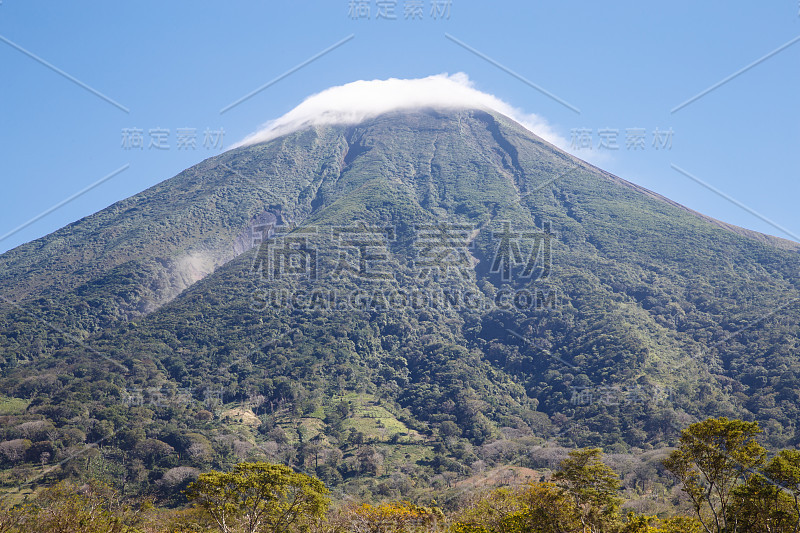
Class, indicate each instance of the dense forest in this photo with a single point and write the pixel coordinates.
(410, 309)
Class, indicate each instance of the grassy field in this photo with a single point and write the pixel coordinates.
(375, 421)
(367, 416)
(12, 406)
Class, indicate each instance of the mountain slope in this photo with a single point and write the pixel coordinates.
(450, 267)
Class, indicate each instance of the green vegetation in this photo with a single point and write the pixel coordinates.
(718, 463)
(138, 348)
(259, 497)
(711, 460)
(13, 406)
(591, 485)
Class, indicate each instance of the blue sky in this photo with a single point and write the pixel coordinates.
(175, 65)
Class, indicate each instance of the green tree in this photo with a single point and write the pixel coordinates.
(547, 509)
(12, 517)
(784, 469)
(388, 517)
(760, 506)
(680, 524)
(712, 458)
(259, 497)
(90, 508)
(593, 487)
(540, 507)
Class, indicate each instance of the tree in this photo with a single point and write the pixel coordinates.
(592, 485)
(760, 506)
(540, 507)
(547, 509)
(680, 524)
(449, 429)
(259, 497)
(14, 451)
(784, 469)
(12, 517)
(714, 456)
(152, 450)
(90, 508)
(391, 517)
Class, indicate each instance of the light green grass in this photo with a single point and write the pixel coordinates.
(375, 421)
(13, 406)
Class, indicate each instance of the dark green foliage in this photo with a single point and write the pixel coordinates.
(646, 315)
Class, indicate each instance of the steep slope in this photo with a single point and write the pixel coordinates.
(449, 265)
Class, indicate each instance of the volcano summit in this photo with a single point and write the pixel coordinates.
(440, 267)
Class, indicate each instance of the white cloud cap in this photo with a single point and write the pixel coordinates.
(360, 100)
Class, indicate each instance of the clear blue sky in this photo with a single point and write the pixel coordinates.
(174, 65)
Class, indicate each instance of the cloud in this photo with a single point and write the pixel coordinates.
(360, 100)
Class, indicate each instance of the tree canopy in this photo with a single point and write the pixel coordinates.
(259, 497)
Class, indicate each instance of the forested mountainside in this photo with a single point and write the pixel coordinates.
(426, 292)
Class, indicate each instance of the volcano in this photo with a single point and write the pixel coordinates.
(422, 272)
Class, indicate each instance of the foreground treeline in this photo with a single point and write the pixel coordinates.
(728, 481)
